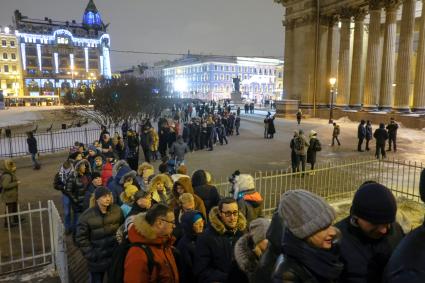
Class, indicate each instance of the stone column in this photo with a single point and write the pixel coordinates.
(419, 90)
(371, 89)
(343, 82)
(356, 71)
(288, 57)
(388, 60)
(332, 52)
(322, 80)
(405, 54)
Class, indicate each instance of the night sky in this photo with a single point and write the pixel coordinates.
(229, 27)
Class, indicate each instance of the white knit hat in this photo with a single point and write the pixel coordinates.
(244, 182)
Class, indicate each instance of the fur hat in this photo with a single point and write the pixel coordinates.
(244, 182)
(128, 195)
(305, 213)
(145, 166)
(160, 178)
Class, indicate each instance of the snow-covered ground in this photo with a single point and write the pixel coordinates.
(22, 115)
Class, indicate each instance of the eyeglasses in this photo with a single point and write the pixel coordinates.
(230, 213)
(169, 222)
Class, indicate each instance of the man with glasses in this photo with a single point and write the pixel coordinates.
(369, 235)
(153, 230)
(215, 248)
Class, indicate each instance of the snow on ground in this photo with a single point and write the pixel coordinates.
(22, 115)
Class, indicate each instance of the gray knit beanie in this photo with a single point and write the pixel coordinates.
(258, 229)
(305, 213)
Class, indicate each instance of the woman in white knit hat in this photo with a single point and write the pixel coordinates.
(308, 246)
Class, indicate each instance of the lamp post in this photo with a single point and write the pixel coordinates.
(332, 81)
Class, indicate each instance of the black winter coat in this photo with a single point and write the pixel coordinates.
(407, 263)
(214, 249)
(311, 151)
(381, 136)
(207, 193)
(32, 145)
(96, 236)
(361, 131)
(76, 188)
(364, 258)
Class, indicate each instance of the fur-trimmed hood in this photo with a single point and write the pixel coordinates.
(8, 165)
(142, 232)
(123, 172)
(218, 225)
(186, 183)
(246, 259)
(79, 163)
(160, 178)
(118, 166)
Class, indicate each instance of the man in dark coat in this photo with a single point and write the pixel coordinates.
(32, 149)
(361, 134)
(407, 263)
(96, 231)
(206, 192)
(215, 248)
(392, 128)
(369, 235)
(369, 134)
(380, 136)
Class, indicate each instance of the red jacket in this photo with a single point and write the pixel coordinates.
(136, 262)
(106, 173)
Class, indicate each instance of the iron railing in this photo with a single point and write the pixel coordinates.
(33, 237)
(335, 181)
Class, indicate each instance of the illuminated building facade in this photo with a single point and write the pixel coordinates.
(59, 57)
(211, 77)
(10, 67)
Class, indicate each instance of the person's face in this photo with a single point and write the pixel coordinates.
(160, 186)
(79, 157)
(82, 168)
(373, 231)
(229, 214)
(180, 189)
(92, 153)
(323, 239)
(166, 224)
(98, 162)
(145, 202)
(81, 149)
(198, 226)
(97, 181)
(128, 180)
(105, 200)
(188, 206)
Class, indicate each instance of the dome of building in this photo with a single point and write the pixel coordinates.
(91, 17)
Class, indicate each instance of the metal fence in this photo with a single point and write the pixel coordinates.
(335, 181)
(53, 141)
(33, 237)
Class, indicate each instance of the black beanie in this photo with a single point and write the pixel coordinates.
(374, 203)
(100, 192)
(422, 185)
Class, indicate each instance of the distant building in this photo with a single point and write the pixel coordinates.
(62, 56)
(145, 71)
(10, 67)
(211, 77)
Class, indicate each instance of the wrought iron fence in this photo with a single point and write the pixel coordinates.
(34, 237)
(53, 141)
(335, 181)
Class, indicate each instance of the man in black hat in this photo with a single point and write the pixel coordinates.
(96, 231)
(369, 235)
(407, 263)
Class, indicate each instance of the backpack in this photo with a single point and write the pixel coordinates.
(116, 270)
(299, 144)
(317, 145)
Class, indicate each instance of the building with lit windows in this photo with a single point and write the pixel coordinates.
(10, 67)
(211, 77)
(60, 57)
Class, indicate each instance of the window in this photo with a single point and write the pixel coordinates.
(3, 43)
(6, 68)
(4, 55)
(12, 43)
(14, 68)
(221, 68)
(216, 67)
(13, 55)
(233, 68)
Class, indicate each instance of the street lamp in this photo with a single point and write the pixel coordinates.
(332, 81)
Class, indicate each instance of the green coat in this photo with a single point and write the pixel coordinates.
(9, 183)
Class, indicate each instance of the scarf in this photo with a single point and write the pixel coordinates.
(322, 263)
(64, 174)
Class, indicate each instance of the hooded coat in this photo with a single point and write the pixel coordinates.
(186, 183)
(120, 172)
(215, 249)
(136, 262)
(207, 193)
(77, 185)
(179, 149)
(96, 236)
(161, 197)
(8, 181)
(187, 246)
(250, 202)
